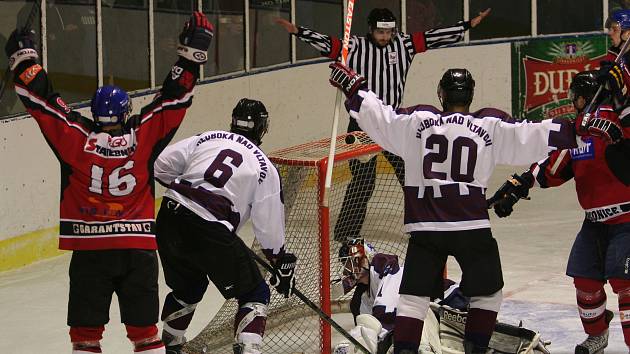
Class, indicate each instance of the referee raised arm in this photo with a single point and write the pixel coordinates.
(383, 57)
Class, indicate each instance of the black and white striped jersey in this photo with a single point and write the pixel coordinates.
(385, 68)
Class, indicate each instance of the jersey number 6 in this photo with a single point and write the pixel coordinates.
(219, 165)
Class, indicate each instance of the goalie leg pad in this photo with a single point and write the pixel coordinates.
(621, 287)
(411, 312)
(591, 301)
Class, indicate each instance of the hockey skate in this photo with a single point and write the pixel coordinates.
(174, 345)
(595, 344)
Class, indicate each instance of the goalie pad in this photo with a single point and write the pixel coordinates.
(366, 332)
(506, 338)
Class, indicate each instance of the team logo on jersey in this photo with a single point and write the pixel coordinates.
(392, 57)
(117, 147)
(62, 104)
(176, 72)
(585, 149)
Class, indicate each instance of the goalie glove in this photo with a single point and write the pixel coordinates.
(20, 47)
(195, 38)
(345, 79)
(283, 277)
(515, 188)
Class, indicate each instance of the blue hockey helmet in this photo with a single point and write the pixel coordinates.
(622, 17)
(110, 105)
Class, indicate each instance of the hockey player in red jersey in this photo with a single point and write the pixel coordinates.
(449, 156)
(601, 251)
(216, 180)
(107, 187)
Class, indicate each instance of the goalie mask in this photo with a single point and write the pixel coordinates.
(456, 88)
(250, 119)
(110, 106)
(355, 257)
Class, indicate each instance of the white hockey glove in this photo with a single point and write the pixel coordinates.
(195, 38)
(366, 333)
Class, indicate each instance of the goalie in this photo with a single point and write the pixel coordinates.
(375, 278)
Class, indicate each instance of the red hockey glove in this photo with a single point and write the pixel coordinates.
(195, 38)
(345, 78)
(607, 127)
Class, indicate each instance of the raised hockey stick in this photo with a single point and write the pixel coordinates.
(313, 306)
(587, 115)
(333, 133)
(27, 25)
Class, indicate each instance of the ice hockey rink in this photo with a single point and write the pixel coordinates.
(534, 244)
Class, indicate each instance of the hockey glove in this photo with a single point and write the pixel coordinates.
(515, 188)
(20, 47)
(345, 79)
(284, 270)
(195, 38)
(610, 75)
(607, 127)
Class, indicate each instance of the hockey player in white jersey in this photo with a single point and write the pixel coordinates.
(449, 156)
(216, 181)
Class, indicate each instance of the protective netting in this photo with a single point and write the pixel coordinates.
(364, 183)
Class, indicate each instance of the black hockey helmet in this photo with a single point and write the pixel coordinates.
(381, 18)
(456, 88)
(250, 119)
(584, 84)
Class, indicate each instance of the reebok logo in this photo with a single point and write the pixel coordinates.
(454, 317)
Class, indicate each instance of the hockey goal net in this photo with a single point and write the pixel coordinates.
(311, 229)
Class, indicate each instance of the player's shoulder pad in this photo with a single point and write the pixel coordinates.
(417, 108)
(493, 112)
(385, 264)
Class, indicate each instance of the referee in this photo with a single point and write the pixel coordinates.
(383, 57)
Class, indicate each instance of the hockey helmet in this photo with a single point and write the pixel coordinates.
(584, 84)
(381, 18)
(110, 106)
(621, 17)
(355, 256)
(456, 87)
(250, 119)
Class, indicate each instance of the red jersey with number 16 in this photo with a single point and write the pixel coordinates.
(107, 185)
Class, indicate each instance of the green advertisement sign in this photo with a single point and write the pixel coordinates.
(542, 70)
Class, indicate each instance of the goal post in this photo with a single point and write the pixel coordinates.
(373, 193)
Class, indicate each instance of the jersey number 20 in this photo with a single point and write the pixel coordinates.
(440, 155)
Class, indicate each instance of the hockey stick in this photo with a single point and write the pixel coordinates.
(313, 306)
(333, 133)
(27, 26)
(587, 115)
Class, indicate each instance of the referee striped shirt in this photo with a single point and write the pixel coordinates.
(385, 68)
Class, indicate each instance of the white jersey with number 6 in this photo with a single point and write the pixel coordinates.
(224, 177)
(449, 157)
